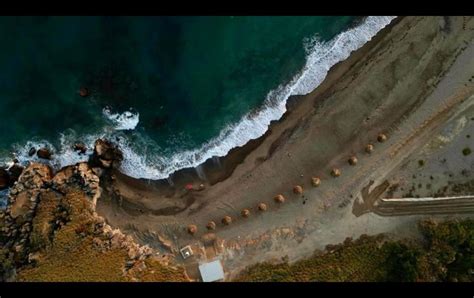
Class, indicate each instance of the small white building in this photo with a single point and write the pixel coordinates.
(211, 271)
(186, 252)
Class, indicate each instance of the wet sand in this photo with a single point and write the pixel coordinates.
(391, 85)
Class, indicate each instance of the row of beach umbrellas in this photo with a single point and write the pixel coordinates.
(279, 199)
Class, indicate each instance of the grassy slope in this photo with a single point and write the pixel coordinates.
(360, 260)
(71, 255)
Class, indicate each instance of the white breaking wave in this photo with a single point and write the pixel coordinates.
(4, 197)
(63, 156)
(125, 121)
(321, 56)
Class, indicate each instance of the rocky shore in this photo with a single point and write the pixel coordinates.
(49, 210)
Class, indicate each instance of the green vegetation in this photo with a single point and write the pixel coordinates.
(421, 162)
(446, 253)
(402, 262)
(359, 260)
(450, 246)
(6, 264)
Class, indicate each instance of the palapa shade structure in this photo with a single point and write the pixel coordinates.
(279, 199)
(352, 160)
(335, 172)
(192, 229)
(369, 148)
(262, 207)
(227, 220)
(245, 213)
(208, 238)
(297, 190)
(381, 138)
(211, 225)
(315, 181)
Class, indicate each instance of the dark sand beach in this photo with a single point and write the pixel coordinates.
(389, 86)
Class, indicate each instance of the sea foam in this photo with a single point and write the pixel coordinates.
(321, 56)
(62, 154)
(4, 198)
(127, 120)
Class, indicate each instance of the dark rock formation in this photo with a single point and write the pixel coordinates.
(32, 151)
(106, 155)
(84, 92)
(4, 178)
(9, 176)
(15, 172)
(81, 147)
(44, 153)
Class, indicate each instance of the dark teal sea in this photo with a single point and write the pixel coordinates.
(172, 91)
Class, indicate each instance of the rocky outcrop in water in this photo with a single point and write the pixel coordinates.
(32, 151)
(4, 178)
(80, 147)
(106, 155)
(9, 176)
(84, 92)
(44, 153)
(15, 172)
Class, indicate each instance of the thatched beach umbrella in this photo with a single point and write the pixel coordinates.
(262, 207)
(227, 220)
(297, 190)
(245, 213)
(352, 160)
(315, 181)
(381, 138)
(369, 148)
(208, 238)
(336, 172)
(279, 199)
(192, 229)
(211, 225)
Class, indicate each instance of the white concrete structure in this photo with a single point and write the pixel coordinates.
(211, 271)
(186, 252)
